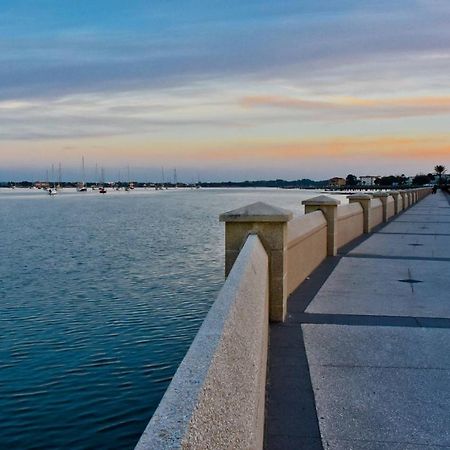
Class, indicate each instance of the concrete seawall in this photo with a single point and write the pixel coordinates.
(216, 399)
(306, 248)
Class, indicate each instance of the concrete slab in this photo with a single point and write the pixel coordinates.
(431, 246)
(372, 286)
(383, 404)
(367, 346)
(387, 404)
(414, 227)
(390, 394)
(354, 444)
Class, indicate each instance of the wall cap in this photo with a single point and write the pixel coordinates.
(257, 212)
(360, 196)
(321, 200)
(380, 194)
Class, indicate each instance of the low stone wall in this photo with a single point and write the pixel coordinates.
(390, 207)
(376, 213)
(399, 203)
(216, 398)
(306, 247)
(350, 223)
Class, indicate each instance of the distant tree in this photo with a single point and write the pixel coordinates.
(421, 179)
(351, 180)
(440, 170)
(402, 180)
(387, 181)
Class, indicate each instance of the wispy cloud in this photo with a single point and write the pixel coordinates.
(343, 149)
(259, 78)
(313, 45)
(352, 108)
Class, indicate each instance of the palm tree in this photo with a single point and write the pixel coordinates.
(440, 170)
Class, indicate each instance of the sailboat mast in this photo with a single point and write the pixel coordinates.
(83, 173)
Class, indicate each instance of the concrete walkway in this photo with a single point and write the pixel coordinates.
(363, 361)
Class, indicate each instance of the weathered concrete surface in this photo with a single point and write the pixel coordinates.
(306, 247)
(350, 223)
(376, 213)
(270, 224)
(216, 398)
(370, 344)
(328, 206)
(373, 286)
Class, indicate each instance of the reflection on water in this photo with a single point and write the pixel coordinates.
(100, 297)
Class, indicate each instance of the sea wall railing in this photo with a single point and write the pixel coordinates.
(216, 398)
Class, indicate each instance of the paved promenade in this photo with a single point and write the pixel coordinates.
(363, 361)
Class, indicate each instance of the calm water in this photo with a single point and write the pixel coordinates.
(100, 298)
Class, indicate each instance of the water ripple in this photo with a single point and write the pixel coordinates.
(100, 297)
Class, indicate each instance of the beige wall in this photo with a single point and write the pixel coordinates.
(376, 212)
(406, 200)
(390, 207)
(306, 247)
(350, 223)
(217, 396)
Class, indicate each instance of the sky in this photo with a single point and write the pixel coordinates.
(224, 90)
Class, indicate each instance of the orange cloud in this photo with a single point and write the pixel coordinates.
(354, 107)
(283, 102)
(387, 147)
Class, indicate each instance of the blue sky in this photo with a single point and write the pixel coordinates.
(230, 89)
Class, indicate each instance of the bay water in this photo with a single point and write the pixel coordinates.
(100, 298)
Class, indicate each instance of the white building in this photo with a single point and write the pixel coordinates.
(368, 180)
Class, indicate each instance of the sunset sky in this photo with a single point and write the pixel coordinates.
(224, 89)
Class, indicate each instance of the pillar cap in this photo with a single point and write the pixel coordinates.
(360, 196)
(257, 212)
(321, 200)
(381, 194)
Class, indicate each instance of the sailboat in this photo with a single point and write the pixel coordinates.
(102, 189)
(130, 186)
(95, 186)
(81, 187)
(52, 191)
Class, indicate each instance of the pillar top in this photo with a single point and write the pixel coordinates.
(321, 200)
(257, 212)
(381, 194)
(360, 196)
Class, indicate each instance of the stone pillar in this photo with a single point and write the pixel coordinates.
(364, 200)
(405, 201)
(270, 224)
(328, 206)
(383, 196)
(395, 195)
